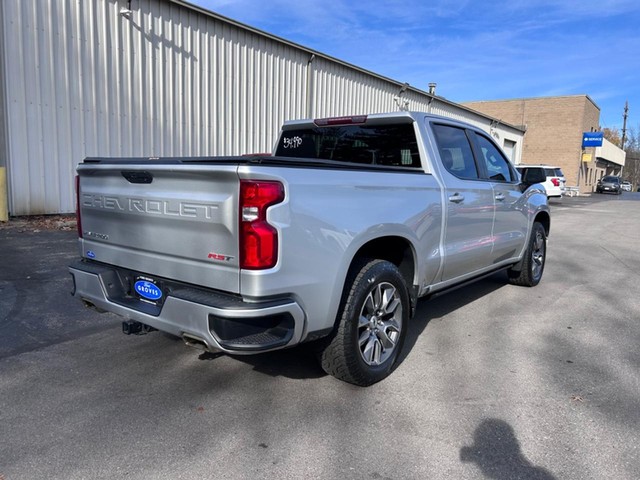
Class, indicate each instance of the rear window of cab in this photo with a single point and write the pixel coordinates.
(387, 145)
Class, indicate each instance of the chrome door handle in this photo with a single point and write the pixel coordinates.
(456, 198)
(500, 197)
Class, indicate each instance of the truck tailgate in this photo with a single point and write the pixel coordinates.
(166, 220)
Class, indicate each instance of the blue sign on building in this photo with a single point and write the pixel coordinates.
(592, 139)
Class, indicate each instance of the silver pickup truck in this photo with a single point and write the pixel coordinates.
(331, 239)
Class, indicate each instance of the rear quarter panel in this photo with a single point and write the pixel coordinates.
(328, 215)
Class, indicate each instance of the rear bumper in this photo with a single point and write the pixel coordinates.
(554, 191)
(220, 321)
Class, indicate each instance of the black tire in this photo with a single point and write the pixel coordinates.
(532, 265)
(372, 323)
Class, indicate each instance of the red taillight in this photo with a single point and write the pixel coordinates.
(556, 182)
(78, 219)
(258, 239)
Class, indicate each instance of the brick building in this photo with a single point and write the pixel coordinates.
(554, 128)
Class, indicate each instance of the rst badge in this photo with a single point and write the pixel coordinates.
(219, 257)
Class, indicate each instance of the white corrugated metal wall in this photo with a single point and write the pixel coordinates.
(168, 80)
(4, 154)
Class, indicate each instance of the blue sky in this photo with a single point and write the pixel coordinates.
(473, 50)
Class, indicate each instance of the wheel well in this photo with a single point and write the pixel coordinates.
(545, 221)
(396, 250)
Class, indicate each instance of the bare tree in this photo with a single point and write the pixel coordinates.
(612, 134)
(631, 170)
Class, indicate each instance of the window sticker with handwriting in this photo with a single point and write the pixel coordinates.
(293, 142)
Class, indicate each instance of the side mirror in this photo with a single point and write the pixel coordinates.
(532, 176)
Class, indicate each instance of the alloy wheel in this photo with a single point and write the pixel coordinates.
(538, 255)
(380, 324)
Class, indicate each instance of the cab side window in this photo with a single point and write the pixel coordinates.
(497, 166)
(455, 151)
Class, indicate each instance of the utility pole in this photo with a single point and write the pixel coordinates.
(624, 123)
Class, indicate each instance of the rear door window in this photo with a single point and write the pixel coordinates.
(455, 151)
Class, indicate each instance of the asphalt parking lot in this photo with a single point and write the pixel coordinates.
(497, 381)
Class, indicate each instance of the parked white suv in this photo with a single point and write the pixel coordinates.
(555, 183)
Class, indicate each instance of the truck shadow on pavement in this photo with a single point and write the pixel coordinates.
(441, 306)
(297, 363)
(301, 363)
(496, 452)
